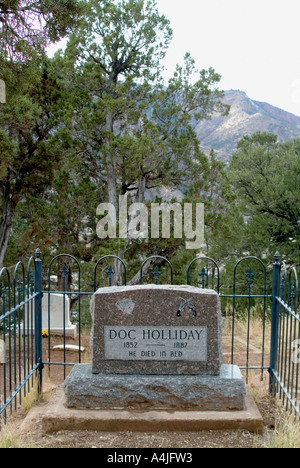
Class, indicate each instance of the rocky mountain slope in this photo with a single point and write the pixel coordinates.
(246, 117)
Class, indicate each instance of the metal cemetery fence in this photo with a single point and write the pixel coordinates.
(285, 352)
(20, 348)
(259, 304)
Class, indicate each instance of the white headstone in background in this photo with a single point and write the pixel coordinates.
(57, 304)
(2, 352)
(2, 92)
(54, 309)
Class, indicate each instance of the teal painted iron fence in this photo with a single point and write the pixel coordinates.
(20, 344)
(259, 306)
(285, 349)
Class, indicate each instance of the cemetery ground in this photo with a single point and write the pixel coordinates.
(281, 430)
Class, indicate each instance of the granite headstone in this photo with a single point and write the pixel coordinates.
(156, 348)
(156, 330)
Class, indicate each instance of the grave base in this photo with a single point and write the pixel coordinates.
(56, 417)
(225, 392)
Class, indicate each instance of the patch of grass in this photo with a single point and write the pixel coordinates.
(30, 398)
(254, 329)
(9, 438)
(286, 433)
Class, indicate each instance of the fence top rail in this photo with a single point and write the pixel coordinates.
(71, 293)
(246, 296)
(14, 309)
(286, 276)
(293, 312)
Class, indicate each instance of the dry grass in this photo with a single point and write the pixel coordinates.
(31, 397)
(282, 430)
(254, 330)
(11, 438)
(286, 433)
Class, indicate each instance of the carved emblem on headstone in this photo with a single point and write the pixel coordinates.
(126, 305)
(186, 303)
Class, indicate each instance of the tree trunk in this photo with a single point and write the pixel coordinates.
(111, 166)
(140, 196)
(8, 210)
(112, 186)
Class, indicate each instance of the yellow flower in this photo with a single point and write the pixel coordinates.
(45, 333)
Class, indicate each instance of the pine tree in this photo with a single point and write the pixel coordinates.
(27, 25)
(31, 137)
(265, 175)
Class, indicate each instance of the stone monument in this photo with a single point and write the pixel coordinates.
(156, 348)
(2, 352)
(59, 313)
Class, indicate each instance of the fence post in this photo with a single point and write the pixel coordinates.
(275, 321)
(38, 319)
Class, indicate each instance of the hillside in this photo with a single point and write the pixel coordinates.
(246, 117)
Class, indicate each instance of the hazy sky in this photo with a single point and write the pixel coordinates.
(253, 44)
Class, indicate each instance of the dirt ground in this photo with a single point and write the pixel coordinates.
(173, 440)
(54, 377)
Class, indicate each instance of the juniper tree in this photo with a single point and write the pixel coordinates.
(27, 25)
(32, 136)
(265, 175)
(141, 132)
